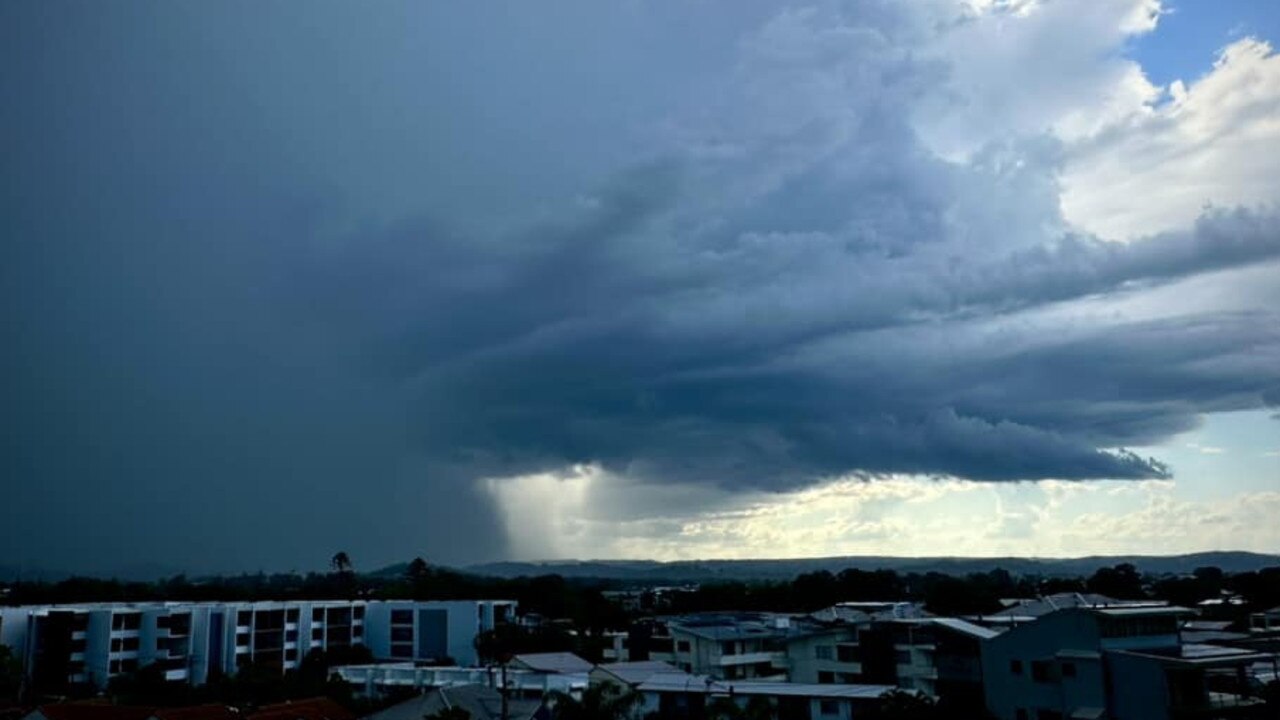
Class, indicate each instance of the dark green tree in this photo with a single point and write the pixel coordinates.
(1122, 582)
(10, 675)
(417, 570)
(341, 562)
(605, 701)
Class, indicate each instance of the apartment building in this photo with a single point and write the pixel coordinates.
(433, 631)
(940, 657)
(766, 646)
(731, 646)
(191, 642)
(823, 654)
(1119, 662)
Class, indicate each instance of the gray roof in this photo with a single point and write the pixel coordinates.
(747, 625)
(1141, 610)
(634, 673)
(483, 703)
(965, 627)
(1197, 654)
(752, 687)
(1050, 603)
(684, 682)
(557, 662)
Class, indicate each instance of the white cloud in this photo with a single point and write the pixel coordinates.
(1211, 143)
(894, 515)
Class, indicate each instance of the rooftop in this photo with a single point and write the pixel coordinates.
(480, 702)
(556, 662)
(634, 673)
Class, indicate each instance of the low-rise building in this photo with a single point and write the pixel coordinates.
(90, 643)
(1117, 662)
(732, 646)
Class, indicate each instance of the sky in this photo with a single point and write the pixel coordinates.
(632, 279)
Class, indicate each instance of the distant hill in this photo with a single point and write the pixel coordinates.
(708, 570)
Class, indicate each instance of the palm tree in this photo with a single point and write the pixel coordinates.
(341, 562)
(605, 701)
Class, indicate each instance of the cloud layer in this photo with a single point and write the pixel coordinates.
(300, 274)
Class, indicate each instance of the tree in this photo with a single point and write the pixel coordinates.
(10, 674)
(341, 562)
(599, 702)
(417, 570)
(904, 705)
(1121, 582)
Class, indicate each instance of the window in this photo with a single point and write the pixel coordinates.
(244, 617)
(823, 652)
(1068, 669)
(1041, 671)
(290, 635)
(130, 644)
(726, 648)
(401, 651)
(401, 617)
(682, 646)
(828, 707)
(847, 653)
(115, 666)
(116, 644)
(1015, 667)
(317, 614)
(317, 634)
(128, 665)
(291, 615)
(402, 634)
(358, 612)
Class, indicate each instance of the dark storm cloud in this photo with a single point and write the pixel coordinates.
(277, 284)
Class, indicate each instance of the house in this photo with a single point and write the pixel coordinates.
(479, 701)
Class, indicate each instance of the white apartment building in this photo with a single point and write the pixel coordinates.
(192, 642)
(436, 630)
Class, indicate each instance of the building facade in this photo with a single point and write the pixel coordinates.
(90, 644)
